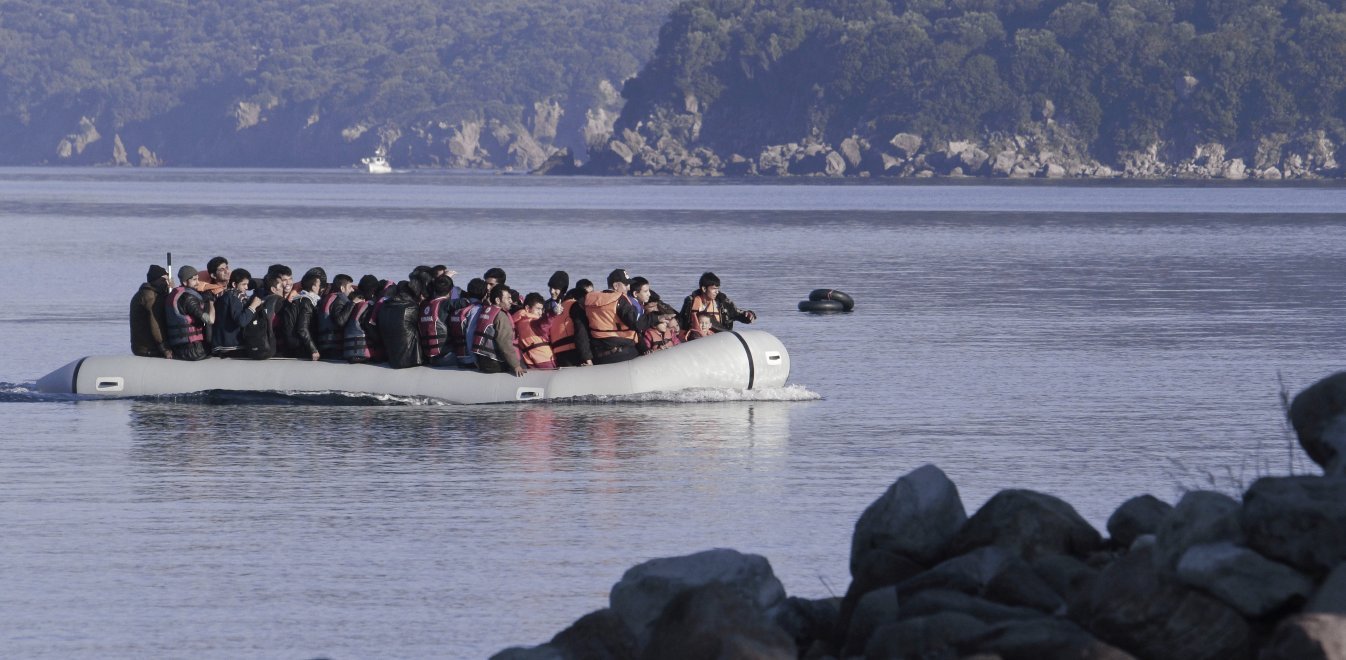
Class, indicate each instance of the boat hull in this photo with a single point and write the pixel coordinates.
(739, 360)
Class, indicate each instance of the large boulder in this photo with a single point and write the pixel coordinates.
(915, 518)
(852, 149)
(876, 609)
(1308, 637)
(1135, 517)
(1297, 520)
(808, 621)
(716, 621)
(905, 144)
(972, 159)
(1319, 417)
(835, 164)
(560, 163)
(1044, 637)
(1330, 598)
(992, 573)
(1133, 607)
(645, 590)
(934, 636)
(877, 569)
(1069, 577)
(1200, 517)
(1030, 524)
(934, 601)
(599, 635)
(1251, 583)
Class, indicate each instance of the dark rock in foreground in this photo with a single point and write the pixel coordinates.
(1025, 577)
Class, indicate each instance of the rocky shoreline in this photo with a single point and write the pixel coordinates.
(672, 144)
(1211, 577)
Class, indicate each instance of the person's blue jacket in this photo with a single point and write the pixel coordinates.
(231, 314)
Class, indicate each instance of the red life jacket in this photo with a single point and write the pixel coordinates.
(182, 329)
(530, 337)
(433, 330)
(458, 334)
(483, 339)
(354, 346)
(563, 329)
(373, 339)
(601, 309)
(657, 340)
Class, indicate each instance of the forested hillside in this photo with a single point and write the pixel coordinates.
(1149, 87)
(292, 82)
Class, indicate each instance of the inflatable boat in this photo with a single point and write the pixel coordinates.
(740, 360)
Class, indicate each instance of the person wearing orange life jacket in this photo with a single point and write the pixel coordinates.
(436, 318)
(703, 328)
(606, 329)
(710, 300)
(186, 314)
(532, 333)
(661, 335)
(334, 309)
(565, 350)
(493, 337)
(214, 280)
(557, 285)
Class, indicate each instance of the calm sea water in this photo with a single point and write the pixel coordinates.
(1091, 341)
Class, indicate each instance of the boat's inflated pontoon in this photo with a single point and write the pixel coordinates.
(748, 359)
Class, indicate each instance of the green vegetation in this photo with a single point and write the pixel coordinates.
(1122, 74)
(120, 62)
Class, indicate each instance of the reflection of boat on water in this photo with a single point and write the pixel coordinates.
(377, 164)
(748, 360)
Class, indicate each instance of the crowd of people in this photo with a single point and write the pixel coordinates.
(425, 319)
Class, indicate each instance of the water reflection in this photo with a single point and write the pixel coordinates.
(581, 440)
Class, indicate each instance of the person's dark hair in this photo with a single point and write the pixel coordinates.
(441, 286)
(279, 270)
(440, 270)
(342, 279)
(496, 294)
(666, 310)
(215, 263)
(654, 296)
(560, 280)
(387, 287)
(318, 272)
(533, 298)
(270, 283)
(584, 284)
(310, 279)
(369, 287)
(476, 288)
(239, 275)
(708, 279)
(637, 282)
(413, 287)
(498, 274)
(573, 294)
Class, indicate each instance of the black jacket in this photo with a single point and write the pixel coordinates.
(257, 338)
(231, 314)
(398, 319)
(329, 331)
(728, 313)
(297, 324)
(148, 325)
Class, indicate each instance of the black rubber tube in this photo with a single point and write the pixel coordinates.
(821, 306)
(832, 294)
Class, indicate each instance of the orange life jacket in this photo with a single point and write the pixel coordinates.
(701, 305)
(563, 329)
(530, 337)
(600, 307)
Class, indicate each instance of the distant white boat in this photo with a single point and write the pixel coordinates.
(377, 164)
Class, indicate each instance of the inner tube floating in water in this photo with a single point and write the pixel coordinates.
(827, 300)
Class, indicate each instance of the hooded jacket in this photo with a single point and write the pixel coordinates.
(147, 320)
(397, 321)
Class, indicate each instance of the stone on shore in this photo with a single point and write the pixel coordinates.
(1200, 517)
(1044, 637)
(645, 590)
(905, 144)
(1251, 583)
(915, 518)
(716, 621)
(993, 573)
(1029, 523)
(1135, 517)
(1330, 598)
(934, 601)
(1300, 521)
(1134, 608)
(1308, 637)
(560, 163)
(934, 636)
(1318, 415)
